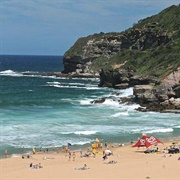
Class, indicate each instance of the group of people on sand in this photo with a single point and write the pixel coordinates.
(35, 166)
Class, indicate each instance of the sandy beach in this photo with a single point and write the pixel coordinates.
(130, 163)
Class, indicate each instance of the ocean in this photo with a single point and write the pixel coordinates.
(40, 111)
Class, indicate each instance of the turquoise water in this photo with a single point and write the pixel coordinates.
(40, 111)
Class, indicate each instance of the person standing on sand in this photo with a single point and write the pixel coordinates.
(106, 144)
(69, 155)
(6, 153)
(74, 156)
(34, 151)
(66, 149)
(81, 153)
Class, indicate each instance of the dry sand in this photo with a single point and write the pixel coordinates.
(131, 164)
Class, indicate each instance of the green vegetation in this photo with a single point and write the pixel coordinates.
(156, 61)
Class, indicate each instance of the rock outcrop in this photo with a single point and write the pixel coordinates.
(121, 79)
(158, 98)
(146, 57)
(107, 45)
(150, 94)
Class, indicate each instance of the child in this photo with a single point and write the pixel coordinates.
(74, 155)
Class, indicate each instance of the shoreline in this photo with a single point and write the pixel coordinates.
(61, 149)
(126, 163)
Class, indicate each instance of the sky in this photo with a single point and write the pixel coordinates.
(51, 27)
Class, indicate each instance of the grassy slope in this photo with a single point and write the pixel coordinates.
(153, 62)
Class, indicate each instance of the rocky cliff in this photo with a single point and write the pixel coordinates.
(146, 56)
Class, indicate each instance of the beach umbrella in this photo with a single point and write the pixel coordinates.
(147, 141)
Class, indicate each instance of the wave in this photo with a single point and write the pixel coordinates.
(161, 130)
(111, 102)
(122, 93)
(15, 155)
(65, 84)
(121, 114)
(72, 85)
(85, 132)
(86, 101)
(20, 74)
(82, 142)
(107, 102)
(149, 131)
(127, 92)
(92, 88)
(10, 73)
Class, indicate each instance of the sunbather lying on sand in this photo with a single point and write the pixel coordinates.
(82, 168)
(111, 162)
(47, 158)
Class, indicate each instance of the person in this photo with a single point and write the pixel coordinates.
(40, 166)
(69, 155)
(94, 153)
(104, 157)
(112, 162)
(6, 153)
(106, 144)
(85, 167)
(34, 151)
(36, 166)
(132, 142)
(66, 149)
(40, 149)
(82, 168)
(88, 153)
(74, 156)
(31, 165)
(81, 153)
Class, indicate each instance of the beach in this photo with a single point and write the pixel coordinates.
(125, 163)
(39, 111)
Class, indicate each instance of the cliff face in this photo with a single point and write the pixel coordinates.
(107, 45)
(136, 47)
(146, 56)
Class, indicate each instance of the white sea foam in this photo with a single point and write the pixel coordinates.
(66, 86)
(85, 132)
(132, 107)
(15, 155)
(121, 114)
(165, 130)
(111, 102)
(86, 101)
(122, 93)
(54, 82)
(127, 92)
(10, 73)
(150, 130)
(92, 88)
(82, 142)
(77, 86)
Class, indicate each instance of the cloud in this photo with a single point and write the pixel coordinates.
(67, 20)
(70, 11)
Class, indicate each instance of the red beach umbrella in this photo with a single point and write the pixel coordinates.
(147, 141)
